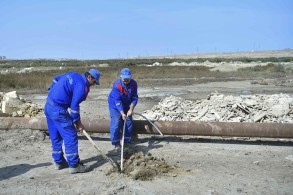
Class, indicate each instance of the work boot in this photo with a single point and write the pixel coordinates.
(79, 168)
(127, 146)
(117, 148)
(59, 166)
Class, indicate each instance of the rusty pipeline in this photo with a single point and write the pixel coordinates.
(199, 128)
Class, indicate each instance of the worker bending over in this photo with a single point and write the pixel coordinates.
(67, 92)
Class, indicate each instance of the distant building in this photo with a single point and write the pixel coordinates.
(2, 57)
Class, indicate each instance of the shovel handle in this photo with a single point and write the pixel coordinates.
(104, 155)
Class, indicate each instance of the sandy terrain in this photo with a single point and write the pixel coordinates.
(202, 166)
(175, 164)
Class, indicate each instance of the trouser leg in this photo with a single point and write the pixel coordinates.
(62, 128)
(56, 140)
(128, 130)
(55, 137)
(69, 135)
(115, 125)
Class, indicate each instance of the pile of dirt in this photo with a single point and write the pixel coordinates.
(140, 166)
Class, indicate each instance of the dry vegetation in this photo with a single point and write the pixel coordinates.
(44, 70)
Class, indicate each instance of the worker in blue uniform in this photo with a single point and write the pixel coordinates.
(63, 116)
(122, 101)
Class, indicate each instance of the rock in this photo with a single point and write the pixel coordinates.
(11, 94)
(15, 106)
(280, 109)
(10, 105)
(217, 107)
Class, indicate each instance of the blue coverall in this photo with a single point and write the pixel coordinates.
(67, 91)
(120, 98)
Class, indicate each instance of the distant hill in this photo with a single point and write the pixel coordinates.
(246, 54)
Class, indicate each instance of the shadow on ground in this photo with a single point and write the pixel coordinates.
(16, 170)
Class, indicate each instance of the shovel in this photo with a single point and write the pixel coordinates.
(100, 151)
(150, 122)
(122, 146)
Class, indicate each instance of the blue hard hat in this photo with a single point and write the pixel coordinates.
(96, 74)
(125, 73)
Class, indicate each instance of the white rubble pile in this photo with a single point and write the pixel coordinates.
(25, 70)
(277, 108)
(12, 105)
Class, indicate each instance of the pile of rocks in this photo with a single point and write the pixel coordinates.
(277, 108)
(13, 105)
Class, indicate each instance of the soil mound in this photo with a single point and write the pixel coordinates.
(140, 166)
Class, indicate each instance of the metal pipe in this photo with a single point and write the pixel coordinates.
(233, 129)
(150, 122)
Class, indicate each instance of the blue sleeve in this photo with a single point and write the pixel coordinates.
(117, 97)
(77, 98)
(134, 97)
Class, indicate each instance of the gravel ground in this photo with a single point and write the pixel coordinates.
(199, 165)
(154, 165)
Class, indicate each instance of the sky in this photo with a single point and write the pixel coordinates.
(107, 29)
